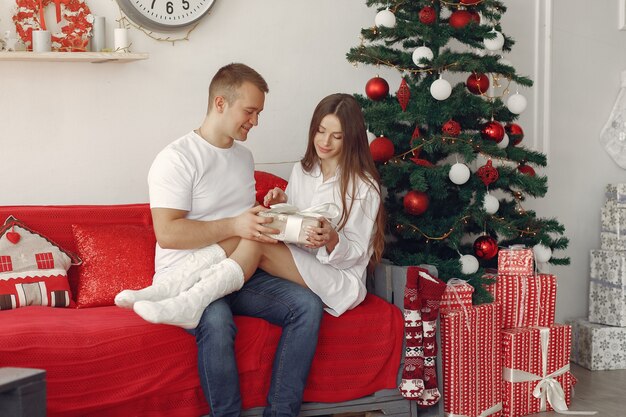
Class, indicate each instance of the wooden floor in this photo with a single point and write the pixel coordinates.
(601, 391)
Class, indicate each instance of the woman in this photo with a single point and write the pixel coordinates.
(337, 167)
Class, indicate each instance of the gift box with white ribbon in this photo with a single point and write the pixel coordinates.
(293, 222)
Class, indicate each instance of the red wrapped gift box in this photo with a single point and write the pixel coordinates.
(458, 294)
(515, 261)
(472, 362)
(527, 300)
(536, 373)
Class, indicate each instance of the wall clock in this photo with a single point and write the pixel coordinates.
(165, 14)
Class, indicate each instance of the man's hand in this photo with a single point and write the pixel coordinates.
(248, 225)
(274, 196)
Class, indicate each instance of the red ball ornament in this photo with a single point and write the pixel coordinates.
(460, 18)
(515, 132)
(492, 131)
(477, 83)
(487, 173)
(526, 169)
(416, 202)
(382, 149)
(427, 15)
(470, 2)
(485, 247)
(475, 16)
(451, 128)
(377, 88)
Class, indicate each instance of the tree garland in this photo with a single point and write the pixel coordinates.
(74, 33)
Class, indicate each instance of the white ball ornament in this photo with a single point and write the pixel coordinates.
(504, 142)
(516, 103)
(385, 18)
(542, 253)
(494, 44)
(440, 89)
(422, 52)
(459, 173)
(370, 136)
(490, 204)
(469, 264)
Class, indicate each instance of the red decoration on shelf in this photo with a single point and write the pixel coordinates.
(377, 88)
(477, 83)
(526, 169)
(487, 173)
(427, 15)
(492, 131)
(74, 33)
(416, 202)
(515, 132)
(403, 94)
(382, 149)
(13, 236)
(460, 18)
(485, 247)
(451, 128)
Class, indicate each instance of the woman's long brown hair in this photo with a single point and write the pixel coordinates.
(355, 160)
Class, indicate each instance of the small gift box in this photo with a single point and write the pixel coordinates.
(613, 241)
(527, 300)
(516, 260)
(614, 218)
(617, 193)
(471, 359)
(607, 288)
(293, 222)
(458, 294)
(598, 347)
(535, 370)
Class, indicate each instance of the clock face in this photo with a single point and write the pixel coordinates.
(165, 14)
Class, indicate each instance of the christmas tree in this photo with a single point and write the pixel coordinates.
(451, 158)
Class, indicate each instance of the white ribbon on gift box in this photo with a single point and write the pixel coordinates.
(548, 388)
(294, 221)
(485, 413)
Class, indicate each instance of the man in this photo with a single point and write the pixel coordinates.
(202, 193)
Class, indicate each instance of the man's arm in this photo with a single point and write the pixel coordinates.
(174, 231)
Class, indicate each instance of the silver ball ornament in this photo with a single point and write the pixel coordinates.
(542, 253)
(420, 53)
(459, 173)
(490, 204)
(469, 264)
(440, 89)
(385, 18)
(494, 44)
(516, 103)
(504, 142)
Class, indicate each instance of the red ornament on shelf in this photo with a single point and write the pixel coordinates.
(377, 88)
(427, 15)
(416, 202)
(451, 128)
(526, 169)
(492, 131)
(485, 247)
(460, 18)
(515, 132)
(477, 83)
(488, 174)
(382, 149)
(403, 94)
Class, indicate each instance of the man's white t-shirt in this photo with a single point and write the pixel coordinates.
(208, 182)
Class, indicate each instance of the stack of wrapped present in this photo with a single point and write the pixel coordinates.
(599, 342)
(509, 353)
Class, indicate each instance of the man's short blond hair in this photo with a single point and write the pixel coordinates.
(229, 78)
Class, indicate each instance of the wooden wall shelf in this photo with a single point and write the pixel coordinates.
(93, 57)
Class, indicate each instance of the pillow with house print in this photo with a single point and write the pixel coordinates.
(33, 269)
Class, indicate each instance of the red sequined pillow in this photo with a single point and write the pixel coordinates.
(33, 269)
(115, 258)
(265, 182)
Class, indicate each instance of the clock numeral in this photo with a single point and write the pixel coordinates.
(152, 6)
(185, 5)
(169, 7)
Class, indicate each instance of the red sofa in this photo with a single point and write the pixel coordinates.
(107, 361)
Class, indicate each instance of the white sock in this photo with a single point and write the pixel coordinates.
(185, 310)
(175, 280)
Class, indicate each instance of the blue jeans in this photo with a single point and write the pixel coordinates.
(295, 308)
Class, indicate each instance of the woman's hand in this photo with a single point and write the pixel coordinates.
(274, 196)
(325, 235)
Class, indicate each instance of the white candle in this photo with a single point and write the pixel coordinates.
(42, 41)
(98, 42)
(120, 37)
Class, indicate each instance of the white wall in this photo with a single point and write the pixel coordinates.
(80, 133)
